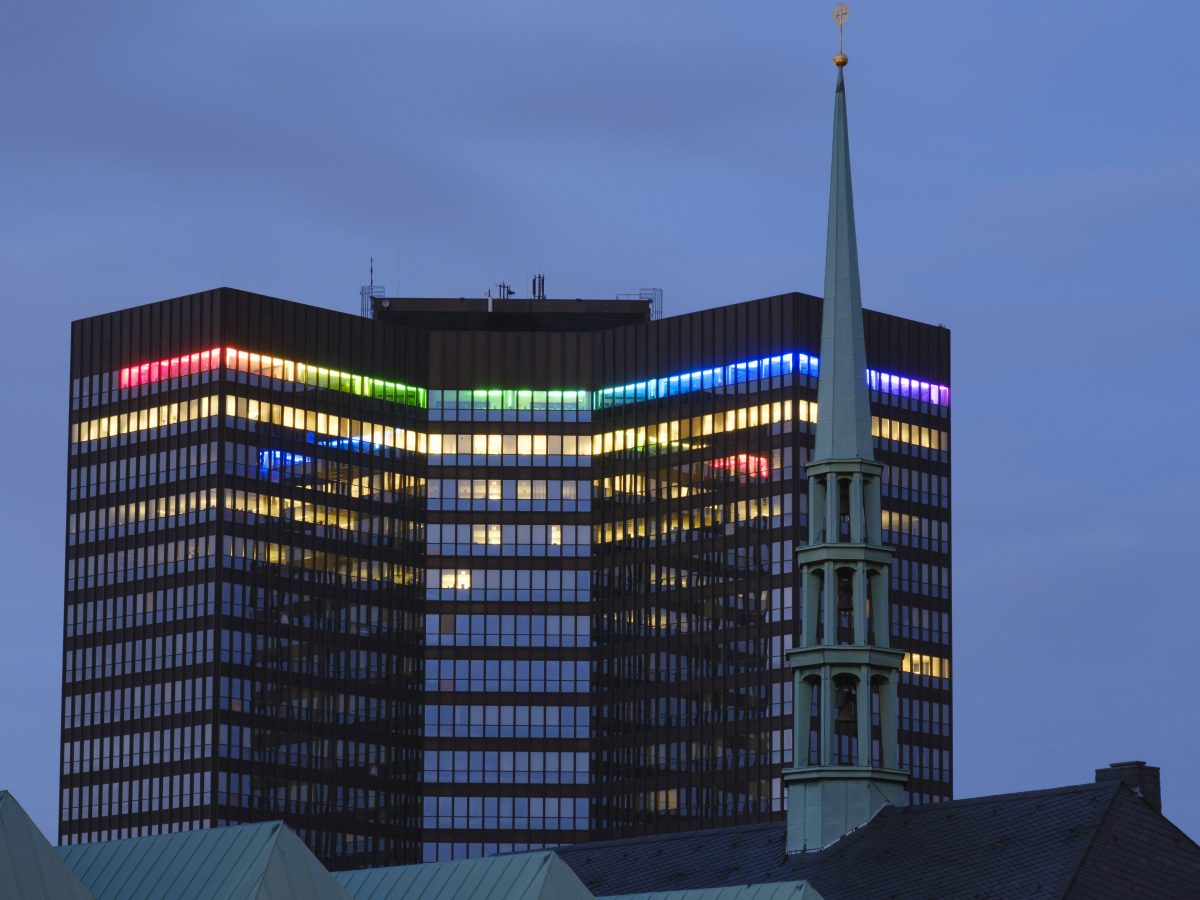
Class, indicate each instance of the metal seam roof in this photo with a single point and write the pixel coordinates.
(29, 866)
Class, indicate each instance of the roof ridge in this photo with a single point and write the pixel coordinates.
(1117, 784)
(1099, 787)
(669, 836)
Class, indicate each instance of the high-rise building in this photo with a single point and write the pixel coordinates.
(473, 576)
(467, 577)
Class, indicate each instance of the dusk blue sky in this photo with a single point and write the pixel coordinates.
(1027, 174)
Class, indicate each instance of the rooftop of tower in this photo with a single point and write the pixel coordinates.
(491, 314)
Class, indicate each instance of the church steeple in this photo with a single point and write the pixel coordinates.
(845, 748)
(842, 385)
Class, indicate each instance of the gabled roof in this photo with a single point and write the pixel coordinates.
(522, 876)
(264, 861)
(30, 868)
(1071, 841)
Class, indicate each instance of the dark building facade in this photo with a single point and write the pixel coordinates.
(467, 577)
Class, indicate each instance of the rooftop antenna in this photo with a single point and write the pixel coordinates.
(539, 287)
(367, 293)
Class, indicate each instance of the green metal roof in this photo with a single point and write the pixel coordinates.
(843, 405)
(785, 890)
(519, 876)
(265, 861)
(29, 866)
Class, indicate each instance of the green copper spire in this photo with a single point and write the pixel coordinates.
(843, 411)
(844, 669)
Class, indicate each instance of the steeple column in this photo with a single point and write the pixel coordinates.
(863, 706)
(830, 610)
(828, 716)
(810, 600)
(818, 511)
(889, 722)
(881, 613)
(833, 514)
(857, 535)
(860, 603)
(802, 697)
(873, 505)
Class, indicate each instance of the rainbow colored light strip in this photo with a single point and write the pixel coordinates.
(272, 367)
(605, 398)
(754, 369)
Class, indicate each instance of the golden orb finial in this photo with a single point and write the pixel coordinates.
(841, 13)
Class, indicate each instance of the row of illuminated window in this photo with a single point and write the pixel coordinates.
(449, 404)
(144, 419)
(685, 433)
(507, 675)
(507, 721)
(777, 509)
(907, 433)
(112, 521)
(493, 813)
(139, 748)
(509, 494)
(325, 520)
(115, 834)
(355, 434)
(150, 654)
(506, 449)
(534, 585)
(923, 664)
(140, 471)
(715, 378)
(707, 379)
(142, 608)
(315, 472)
(781, 366)
(504, 630)
(700, 477)
(916, 531)
(496, 539)
(504, 767)
(137, 563)
(270, 367)
(142, 701)
(246, 553)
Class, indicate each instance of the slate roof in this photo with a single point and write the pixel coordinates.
(1092, 840)
(787, 890)
(30, 867)
(265, 861)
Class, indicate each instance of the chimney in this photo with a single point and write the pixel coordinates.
(1142, 780)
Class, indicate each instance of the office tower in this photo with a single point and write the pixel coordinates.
(468, 576)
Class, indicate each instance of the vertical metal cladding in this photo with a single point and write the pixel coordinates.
(428, 592)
